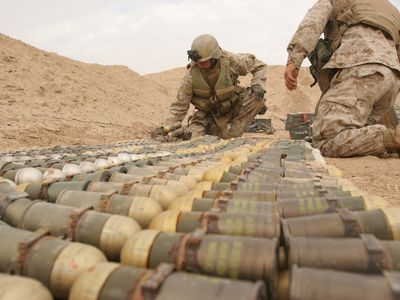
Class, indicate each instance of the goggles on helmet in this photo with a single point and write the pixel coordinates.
(193, 55)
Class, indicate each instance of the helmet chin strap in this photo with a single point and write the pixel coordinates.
(213, 64)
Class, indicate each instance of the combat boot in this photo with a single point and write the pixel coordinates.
(391, 139)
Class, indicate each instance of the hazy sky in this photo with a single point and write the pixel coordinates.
(152, 35)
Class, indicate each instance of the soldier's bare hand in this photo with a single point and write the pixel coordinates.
(291, 74)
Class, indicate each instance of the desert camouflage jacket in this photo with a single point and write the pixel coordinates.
(360, 44)
(240, 65)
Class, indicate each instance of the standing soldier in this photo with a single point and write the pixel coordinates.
(223, 108)
(358, 70)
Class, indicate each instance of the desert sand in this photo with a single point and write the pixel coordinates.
(49, 100)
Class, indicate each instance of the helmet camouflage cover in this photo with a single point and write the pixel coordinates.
(204, 47)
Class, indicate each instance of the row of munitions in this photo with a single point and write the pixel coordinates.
(250, 210)
(137, 145)
(58, 263)
(67, 259)
(135, 149)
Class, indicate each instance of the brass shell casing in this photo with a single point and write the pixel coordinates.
(179, 187)
(201, 187)
(392, 215)
(73, 260)
(166, 221)
(183, 203)
(88, 287)
(115, 233)
(163, 194)
(215, 174)
(17, 287)
(143, 210)
(136, 250)
(374, 202)
(197, 172)
(189, 181)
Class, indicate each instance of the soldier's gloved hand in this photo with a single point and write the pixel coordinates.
(258, 91)
(170, 139)
(182, 133)
(157, 133)
(263, 109)
(187, 134)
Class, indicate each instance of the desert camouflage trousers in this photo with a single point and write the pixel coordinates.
(231, 124)
(356, 95)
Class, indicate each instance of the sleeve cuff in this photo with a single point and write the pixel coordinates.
(290, 60)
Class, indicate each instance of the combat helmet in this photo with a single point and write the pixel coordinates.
(204, 47)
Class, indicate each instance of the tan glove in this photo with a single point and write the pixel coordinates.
(157, 132)
(171, 133)
(181, 133)
(258, 91)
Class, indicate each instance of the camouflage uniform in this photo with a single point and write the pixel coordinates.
(239, 116)
(363, 84)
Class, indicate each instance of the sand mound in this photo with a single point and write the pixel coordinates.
(48, 99)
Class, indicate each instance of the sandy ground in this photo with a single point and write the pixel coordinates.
(49, 100)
